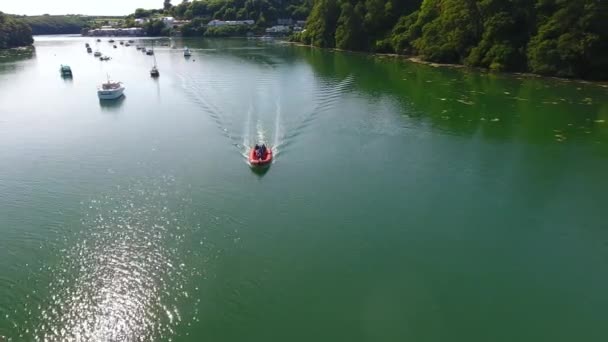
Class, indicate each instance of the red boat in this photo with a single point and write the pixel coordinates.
(265, 159)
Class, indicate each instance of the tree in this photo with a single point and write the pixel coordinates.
(14, 32)
(179, 11)
(571, 40)
(349, 33)
(321, 24)
(506, 31)
(374, 20)
(167, 5)
(154, 28)
(403, 34)
(449, 29)
(142, 13)
(198, 8)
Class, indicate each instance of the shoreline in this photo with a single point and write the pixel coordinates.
(419, 60)
(17, 51)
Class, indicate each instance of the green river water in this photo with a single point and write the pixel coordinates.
(405, 203)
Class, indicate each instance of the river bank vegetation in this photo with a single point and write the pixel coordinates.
(14, 32)
(56, 24)
(549, 37)
(264, 13)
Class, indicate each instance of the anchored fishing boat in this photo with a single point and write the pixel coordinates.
(110, 90)
(65, 70)
(154, 71)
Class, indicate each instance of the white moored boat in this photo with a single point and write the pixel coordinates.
(110, 90)
(187, 52)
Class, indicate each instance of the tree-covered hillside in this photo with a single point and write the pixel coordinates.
(262, 11)
(14, 32)
(56, 24)
(551, 37)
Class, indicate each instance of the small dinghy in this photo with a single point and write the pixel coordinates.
(260, 155)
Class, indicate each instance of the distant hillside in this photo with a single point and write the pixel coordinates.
(14, 32)
(56, 24)
(63, 24)
(263, 12)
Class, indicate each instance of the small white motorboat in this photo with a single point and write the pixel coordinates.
(187, 52)
(110, 90)
(97, 53)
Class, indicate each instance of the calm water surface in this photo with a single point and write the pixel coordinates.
(406, 203)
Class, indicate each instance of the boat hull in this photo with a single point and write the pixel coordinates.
(110, 94)
(255, 162)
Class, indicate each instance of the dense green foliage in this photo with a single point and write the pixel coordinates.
(143, 13)
(571, 39)
(14, 32)
(258, 10)
(553, 37)
(261, 11)
(155, 28)
(56, 24)
(227, 31)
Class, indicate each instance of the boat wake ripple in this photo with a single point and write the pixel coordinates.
(257, 111)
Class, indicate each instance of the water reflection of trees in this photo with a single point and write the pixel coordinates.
(470, 102)
(9, 58)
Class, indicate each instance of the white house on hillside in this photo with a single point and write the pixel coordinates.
(168, 21)
(278, 29)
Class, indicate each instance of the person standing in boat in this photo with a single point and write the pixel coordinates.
(258, 151)
(263, 150)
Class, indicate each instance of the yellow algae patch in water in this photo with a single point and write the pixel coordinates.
(560, 137)
(466, 102)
